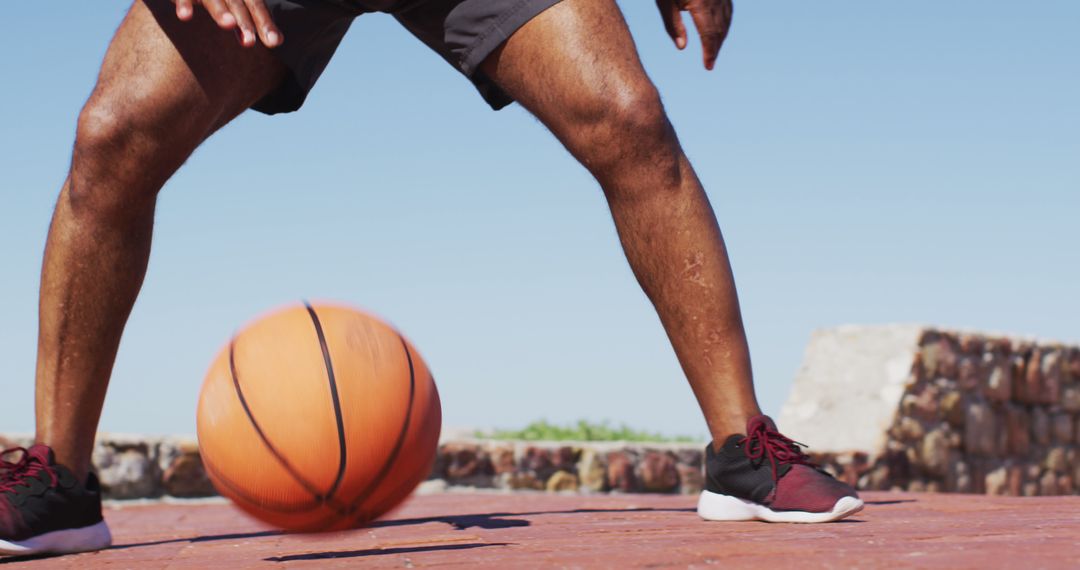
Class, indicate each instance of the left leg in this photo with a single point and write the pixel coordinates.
(576, 68)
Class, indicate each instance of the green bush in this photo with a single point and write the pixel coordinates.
(584, 430)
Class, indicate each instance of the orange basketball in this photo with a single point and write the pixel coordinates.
(318, 418)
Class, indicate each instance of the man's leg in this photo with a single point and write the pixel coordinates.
(576, 68)
(164, 86)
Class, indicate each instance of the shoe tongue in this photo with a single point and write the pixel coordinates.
(42, 453)
(753, 423)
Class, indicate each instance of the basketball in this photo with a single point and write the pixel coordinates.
(317, 418)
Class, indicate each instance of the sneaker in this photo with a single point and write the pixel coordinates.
(766, 476)
(45, 510)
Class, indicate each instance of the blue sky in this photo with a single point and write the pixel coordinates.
(869, 163)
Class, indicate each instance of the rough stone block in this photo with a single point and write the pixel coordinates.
(657, 473)
(468, 464)
(1016, 480)
(562, 481)
(970, 373)
(934, 452)
(1040, 426)
(1072, 365)
(524, 482)
(1056, 461)
(502, 459)
(908, 430)
(981, 435)
(997, 482)
(1062, 428)
(620, 472)
(1050, 370)
(1066, 485)
(999, 382)
(939, 355)
(1030, 384)
(1048, 484)
(1070, 399)
(591, 471)
(859, 373)
(691, 479)
(952, 409)
(1017, 430)
(126, 472)
(186, 477)
(958, 478)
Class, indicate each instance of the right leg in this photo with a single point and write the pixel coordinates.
(165, 86)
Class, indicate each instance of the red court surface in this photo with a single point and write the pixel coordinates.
(627, 531)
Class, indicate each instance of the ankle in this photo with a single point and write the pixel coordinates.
(731, 424)
(72, 460)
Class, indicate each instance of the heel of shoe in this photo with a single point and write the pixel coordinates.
(94, 537)
(718, 507)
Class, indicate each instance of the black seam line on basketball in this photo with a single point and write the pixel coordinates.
(261, 503)
(366, 494)
(337, 401)
(279, 508)
(266, 441)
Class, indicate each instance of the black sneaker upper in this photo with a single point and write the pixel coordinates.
(730, 472)
(38, 496)
(770, 469)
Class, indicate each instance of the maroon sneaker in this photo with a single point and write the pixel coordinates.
(765, 476)
(44, 509)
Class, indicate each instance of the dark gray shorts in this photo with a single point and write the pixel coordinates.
(463, 32)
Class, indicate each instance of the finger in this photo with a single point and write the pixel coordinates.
(268, 32)
(243, 22)
(680, 29)
(706, 19)
(673, 23)
(220, 13)
(184, 9)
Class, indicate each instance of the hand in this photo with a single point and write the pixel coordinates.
(711, 17)
(249, 17)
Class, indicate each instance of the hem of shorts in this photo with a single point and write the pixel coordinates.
(493, 37)
(287, 98)
(500, 31)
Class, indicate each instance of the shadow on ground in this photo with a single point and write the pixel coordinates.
(497, 520)
(458, 522)
(382, 551)
(892, 502)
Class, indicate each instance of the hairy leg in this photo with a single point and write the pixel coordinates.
(164, 86)
(576, 68)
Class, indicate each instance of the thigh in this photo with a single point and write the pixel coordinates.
(179, 79)
(571, 65)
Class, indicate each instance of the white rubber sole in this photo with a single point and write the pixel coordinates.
(717, 507)
(69, 541)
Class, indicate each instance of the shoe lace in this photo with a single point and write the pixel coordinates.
(13, 474)
(764, 442)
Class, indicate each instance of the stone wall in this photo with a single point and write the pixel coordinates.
(582, 467)
(968, 413)
(885, 408)
(132, 467)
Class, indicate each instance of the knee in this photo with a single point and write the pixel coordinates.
(103, 132)
(104, 162)
(625, 135)
(635, 114)
(124, 151)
